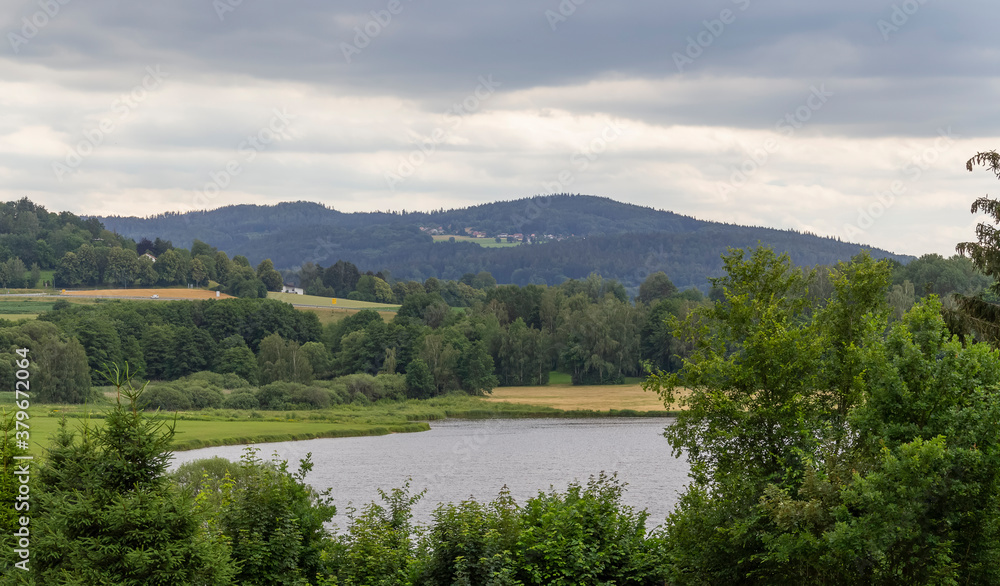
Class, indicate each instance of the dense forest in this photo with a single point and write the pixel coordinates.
(620, 241)
(469, 335)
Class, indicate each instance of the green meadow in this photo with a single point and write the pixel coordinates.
(215, 427)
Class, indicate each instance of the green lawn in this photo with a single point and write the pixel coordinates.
(484, 242)
(342, 303)
(46, 275)
(560, 378)
(24, 305)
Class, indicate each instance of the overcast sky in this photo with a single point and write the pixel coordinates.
(850, 118)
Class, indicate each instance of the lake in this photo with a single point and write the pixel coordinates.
(458, 459)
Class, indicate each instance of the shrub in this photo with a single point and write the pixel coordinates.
(373, 388)
(165, 398)
(233, 381)
(205, 397)
(241, 400)
(310, 397)
(275, 396)
(391, 386)
(275, 522)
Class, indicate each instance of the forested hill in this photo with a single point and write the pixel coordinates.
(619, 241)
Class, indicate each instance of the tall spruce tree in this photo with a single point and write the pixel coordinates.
(108, 514)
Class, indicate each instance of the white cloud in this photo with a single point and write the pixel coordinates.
(675, 140)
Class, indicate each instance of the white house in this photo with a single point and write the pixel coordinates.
(292, 289)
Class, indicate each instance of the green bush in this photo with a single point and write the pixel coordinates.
(373, 388)
(233, 381)
(165, 398)
(583, 536)
(310, 397)
(392, 386)
(205, 397)
(275, 522)
(275, 396)
(241, 400)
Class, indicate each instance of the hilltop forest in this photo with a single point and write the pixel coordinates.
(575, 235)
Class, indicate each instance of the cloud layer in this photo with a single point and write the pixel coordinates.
(849, 119)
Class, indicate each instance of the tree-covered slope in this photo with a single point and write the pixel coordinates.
(620, 241)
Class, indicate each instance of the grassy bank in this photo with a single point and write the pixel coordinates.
(215, 427)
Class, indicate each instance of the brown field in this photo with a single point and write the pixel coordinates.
(148, 293)
(568, 397)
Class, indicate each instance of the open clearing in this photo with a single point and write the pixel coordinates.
(328, 302)
(484, 242)
(332, 316)
(165, 293)
(569, 397)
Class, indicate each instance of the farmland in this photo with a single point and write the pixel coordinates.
(484, 242)
(566, 397)
(162, 293)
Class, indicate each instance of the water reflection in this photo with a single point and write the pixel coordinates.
(460, 459)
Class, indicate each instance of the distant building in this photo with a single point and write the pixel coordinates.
(292, 289)
(149, 256)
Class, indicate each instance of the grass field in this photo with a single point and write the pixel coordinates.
(191, 433)
(484, 242)
(164, 293)
(46, 275)
(18, 308)
(24, 305)
(197, 429)
(329, 316)
(569, 398)
(317, 301)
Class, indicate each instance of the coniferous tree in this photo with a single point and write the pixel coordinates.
(109, 515)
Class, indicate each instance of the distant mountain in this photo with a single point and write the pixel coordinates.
(618, 240)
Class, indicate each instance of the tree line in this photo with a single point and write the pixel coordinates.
(470, 335)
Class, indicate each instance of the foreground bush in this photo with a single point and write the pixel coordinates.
(106, 513)
(583, 536)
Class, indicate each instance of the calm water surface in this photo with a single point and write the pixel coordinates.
(459, 459)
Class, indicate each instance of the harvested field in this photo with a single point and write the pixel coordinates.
(568, 397)
(342, 303)
(166, 293)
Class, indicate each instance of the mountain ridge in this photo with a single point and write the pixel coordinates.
(616, 239)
